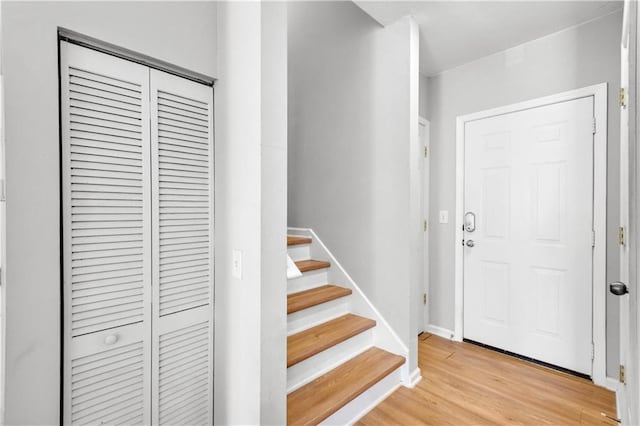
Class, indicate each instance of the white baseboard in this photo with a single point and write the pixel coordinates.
(440, 331)
(414, 378)
(611, 384)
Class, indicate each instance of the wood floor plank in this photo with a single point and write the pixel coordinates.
(466, 384)
(311, 265)
(315, 296)
(294, 240)
(307, 343)
(319, 399)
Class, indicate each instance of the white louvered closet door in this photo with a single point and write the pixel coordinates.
(182, 182)
(106, 238)
(137, 211)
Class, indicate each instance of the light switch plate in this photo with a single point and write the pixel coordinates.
(444, 216)
(236, 267)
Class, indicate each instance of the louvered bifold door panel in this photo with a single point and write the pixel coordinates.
(182, 211)
(106, 212)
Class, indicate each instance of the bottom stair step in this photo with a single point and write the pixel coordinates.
(316, 401)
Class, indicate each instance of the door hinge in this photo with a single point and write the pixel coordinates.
(622, 98)
(426, 152)
(621, 375)
(593, 238)
(593, 351)
(424, 225)
(594, 127)
(424, 298)
(621, 235)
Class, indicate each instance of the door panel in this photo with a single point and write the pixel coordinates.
(106, 240)
(495, 201)
(495, 282)
(108, 386)
(528, 276)
(182, 158)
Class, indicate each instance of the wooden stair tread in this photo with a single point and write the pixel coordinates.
(294, 240)
(307, 343)
(315, 296)
(321, 398)
(311, 265)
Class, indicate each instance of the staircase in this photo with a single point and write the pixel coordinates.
(342, 356)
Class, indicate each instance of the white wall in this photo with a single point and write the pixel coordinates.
(30, 65)
(250, 383)
(353, 110)
(574, 58)
(273, 147)
(237, 219)
(273, 378)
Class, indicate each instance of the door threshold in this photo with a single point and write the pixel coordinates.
(531, 360)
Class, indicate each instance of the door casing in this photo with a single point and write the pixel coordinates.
(599, 93)
(627, 392)
(426, 142)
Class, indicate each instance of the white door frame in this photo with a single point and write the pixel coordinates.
(599, 93)
(629, 219)
(426, 181)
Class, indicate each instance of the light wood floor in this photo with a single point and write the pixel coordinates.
(463, 384)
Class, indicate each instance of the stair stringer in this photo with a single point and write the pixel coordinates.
(384, 336)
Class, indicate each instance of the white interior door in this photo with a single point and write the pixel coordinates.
(528, 262)
(182, 181)
(424, 139)
(106, 238)
(624, 213)
(3, 233)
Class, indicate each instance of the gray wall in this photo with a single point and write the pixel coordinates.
(353, 110)
(423, 99)
(577, 57)
(30, 65)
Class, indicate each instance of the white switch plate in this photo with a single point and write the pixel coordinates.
(236, 267)
(444, 216)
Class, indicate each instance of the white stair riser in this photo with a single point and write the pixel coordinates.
(304, 372)
(360, 406)
(315, 315)
(308, 280)
(299, 252)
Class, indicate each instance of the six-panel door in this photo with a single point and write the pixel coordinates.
(528, 276)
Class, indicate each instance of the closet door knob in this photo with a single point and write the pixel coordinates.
(111, 339)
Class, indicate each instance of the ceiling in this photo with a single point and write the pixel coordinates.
(453, 33)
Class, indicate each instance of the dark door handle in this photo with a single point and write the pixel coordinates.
(618, 288)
